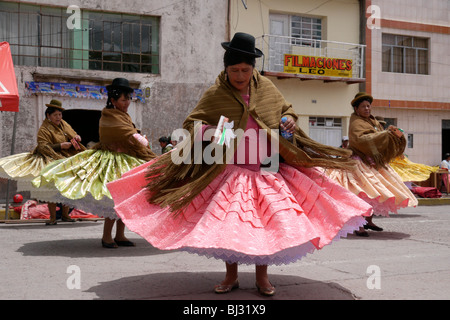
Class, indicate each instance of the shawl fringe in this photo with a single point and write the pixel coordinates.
(374, 145)
(175, 185)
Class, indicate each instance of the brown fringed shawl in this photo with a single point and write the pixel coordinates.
(175, 185)
(374, 145)
(50, 136)
(116, 131)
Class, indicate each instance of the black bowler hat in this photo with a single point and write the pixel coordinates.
(243, 43)
(120, 83)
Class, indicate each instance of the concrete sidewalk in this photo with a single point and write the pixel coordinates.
(409, 260)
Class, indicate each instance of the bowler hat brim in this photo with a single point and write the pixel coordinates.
(257, 53)
(120, 83)
(355, 102)
(54, 106)
(124, 88)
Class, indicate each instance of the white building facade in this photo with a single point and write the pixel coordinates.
(408, 72)
(313, 53)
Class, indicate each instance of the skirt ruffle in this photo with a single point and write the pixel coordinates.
(245, 216)
(411, 171)
(80, 180)
(22, 166)
(382, 188)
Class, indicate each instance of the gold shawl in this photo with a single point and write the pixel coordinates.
(116, 131)
(50, 135)
(175, 185)
(374, 145)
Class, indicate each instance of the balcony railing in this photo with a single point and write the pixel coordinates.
(323, 51)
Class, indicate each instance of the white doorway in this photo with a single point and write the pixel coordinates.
(327, 131)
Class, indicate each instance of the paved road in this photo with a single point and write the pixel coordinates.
(409, 260)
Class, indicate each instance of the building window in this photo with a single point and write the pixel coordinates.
(404, 54)
(390, 122)
(305, 30)
(40, 36)
(410, 140)
(325, 122)
(294, 34)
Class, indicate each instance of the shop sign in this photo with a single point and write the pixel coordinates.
(318, 66)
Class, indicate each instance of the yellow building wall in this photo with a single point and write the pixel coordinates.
(340, 23)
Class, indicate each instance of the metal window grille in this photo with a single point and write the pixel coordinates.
(404, 54)
(39, 36)
(410, 140)
(325, 122)
(390, 121)
(304, 30)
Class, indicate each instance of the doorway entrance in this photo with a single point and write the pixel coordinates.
(445, 138)
(327, 131)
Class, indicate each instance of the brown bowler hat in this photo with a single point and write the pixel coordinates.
(359, 97)
(55, 104)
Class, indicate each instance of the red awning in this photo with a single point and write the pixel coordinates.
(9, 95)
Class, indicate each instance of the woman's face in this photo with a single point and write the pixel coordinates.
(239, 76)
(364, 109)
(122, 103)
(55, 117)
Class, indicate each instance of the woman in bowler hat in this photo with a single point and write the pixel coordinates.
(235, 209)
(56, 140)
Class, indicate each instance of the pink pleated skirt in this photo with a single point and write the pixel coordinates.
(382, 188)
(245, 216)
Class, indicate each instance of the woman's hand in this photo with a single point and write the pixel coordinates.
(78, 138)
(395, 131)
(66, 145)
(288, 125)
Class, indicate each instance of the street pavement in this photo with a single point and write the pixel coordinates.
(409, 260)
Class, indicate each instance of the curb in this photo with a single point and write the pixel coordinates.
(433, 202)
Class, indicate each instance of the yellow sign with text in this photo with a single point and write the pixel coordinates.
(318, 66)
